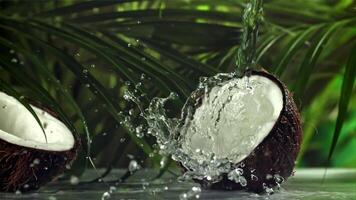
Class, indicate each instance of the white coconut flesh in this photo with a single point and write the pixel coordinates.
(233, 119)
(18, 126)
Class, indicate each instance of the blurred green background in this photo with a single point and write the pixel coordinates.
(76, 57)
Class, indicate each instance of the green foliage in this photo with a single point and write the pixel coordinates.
(345, 97)
(76, 58)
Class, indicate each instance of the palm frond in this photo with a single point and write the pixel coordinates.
(174, 43)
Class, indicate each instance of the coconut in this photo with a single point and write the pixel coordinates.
(251, 121)
(28, 159)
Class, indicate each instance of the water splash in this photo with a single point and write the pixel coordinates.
(208, 162)
(169, 133)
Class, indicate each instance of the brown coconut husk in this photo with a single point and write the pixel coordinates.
(273, 160)
(25, 169)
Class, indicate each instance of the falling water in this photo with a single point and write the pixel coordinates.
(252, 18)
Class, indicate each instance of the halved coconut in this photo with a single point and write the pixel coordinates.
(251, 121)
(27, 159)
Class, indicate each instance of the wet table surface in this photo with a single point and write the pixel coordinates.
(306, 184)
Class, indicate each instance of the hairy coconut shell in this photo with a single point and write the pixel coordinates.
(24, 169)
(273, 160)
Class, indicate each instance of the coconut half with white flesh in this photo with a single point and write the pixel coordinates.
(27, 159)
(251, 121)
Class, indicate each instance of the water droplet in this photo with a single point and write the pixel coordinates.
(35, 162)
(105, 196)
(254, 177)
(242, 181)
(112, 189)
(14, 60)
(145, 184)
(242, 164)
(126, 97)
(173, 96)
(4, 106)
(133, 166)
(131, 111)
(74, 180)
(279, 179)
(269, 176)
(196, 189)
(162, 163)
(45, 124)
(143, 76)
(183, 196)
(139, 131)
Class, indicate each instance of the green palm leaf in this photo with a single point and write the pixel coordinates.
(345, 96)
(174, 43)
